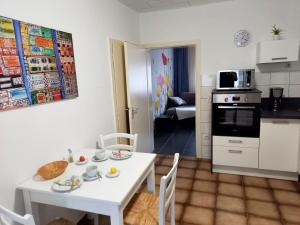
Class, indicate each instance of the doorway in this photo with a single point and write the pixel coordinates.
(173, 100)
(126, 108)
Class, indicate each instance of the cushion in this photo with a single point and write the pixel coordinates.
(189, 97)
(177, 101)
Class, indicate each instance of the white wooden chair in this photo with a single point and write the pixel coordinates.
(7, 217)
(133, 138)
(150, 209)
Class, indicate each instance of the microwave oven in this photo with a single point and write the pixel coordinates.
(236, 79)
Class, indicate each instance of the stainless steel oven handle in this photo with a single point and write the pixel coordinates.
(235, 151)
(236, 107)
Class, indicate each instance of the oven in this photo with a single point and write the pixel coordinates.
(236, 114)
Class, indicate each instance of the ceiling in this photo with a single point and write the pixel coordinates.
(155, 5)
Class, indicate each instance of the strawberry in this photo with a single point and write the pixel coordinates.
(82, 158)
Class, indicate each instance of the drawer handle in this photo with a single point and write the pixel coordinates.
(235, 151)
(235, 141)
(280, 58)
(280, 121)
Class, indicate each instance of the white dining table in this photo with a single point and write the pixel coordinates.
(108, 196)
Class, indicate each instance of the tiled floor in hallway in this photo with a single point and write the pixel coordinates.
(203, 198)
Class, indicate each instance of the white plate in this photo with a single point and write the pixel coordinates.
(94, 159)
(110, 175)
(87, 178)
(59, 186)
(124, 155)
(81, 163)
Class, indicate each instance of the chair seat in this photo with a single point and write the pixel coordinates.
(142, 210)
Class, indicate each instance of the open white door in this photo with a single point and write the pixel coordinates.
(139, 96)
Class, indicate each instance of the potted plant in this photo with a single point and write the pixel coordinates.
(276, 31)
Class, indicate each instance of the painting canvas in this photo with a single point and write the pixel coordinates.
(36, 65)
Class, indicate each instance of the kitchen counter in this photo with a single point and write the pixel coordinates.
(281, 114)
(290, 109)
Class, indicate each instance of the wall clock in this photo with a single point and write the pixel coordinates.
(241, 38)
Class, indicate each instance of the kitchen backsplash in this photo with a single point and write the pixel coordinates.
(290, 81)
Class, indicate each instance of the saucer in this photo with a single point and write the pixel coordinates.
(94, 159)
(120, 155)
(81, 163)
(64, 184)
(85, 177)
(110, 175)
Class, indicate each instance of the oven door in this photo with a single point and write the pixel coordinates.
(238, 120)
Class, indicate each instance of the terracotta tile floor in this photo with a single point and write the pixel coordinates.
(203, 198)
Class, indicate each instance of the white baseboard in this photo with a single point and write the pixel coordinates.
(256, 172)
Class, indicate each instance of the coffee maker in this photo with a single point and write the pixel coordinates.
(276, 97)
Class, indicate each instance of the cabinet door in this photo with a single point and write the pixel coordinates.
(279, 145)
(278, 51)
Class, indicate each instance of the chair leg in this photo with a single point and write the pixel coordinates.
(172, 211)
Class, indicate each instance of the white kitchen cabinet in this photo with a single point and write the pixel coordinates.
(235, 156)
(235, 151)
(241, 142)
(279, 144)
(278, 51)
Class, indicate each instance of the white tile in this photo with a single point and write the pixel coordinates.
(295, 77)
(294, 91)
(205, 139)
(280, 78)
(205, 128)
(265, 90)
(205, 116)
(206, 92)
(285, 89)
(205, 104)
(262, 78)
(206, 151)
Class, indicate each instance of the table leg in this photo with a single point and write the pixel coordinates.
(151, 179)
(116, 217)
(31, 207)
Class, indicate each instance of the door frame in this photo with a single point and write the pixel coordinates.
(197, 45)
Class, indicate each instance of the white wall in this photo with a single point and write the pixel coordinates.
(214, 25)
(32, 136)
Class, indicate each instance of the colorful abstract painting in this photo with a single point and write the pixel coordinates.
(162, 70)
(36, 65)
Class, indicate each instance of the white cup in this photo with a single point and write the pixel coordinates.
(100, 154)
(91, 171)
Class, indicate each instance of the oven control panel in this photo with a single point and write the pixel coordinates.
(237, 98)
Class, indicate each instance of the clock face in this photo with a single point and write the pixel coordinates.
(241, 38)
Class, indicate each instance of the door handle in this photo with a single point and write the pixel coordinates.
(235, 151)
(236, 107)
(235, 141)
(280, 58)
(134, 110)
(280, 122)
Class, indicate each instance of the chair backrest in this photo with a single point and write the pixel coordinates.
(133, 138)
(167, 192)
(7, 216)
